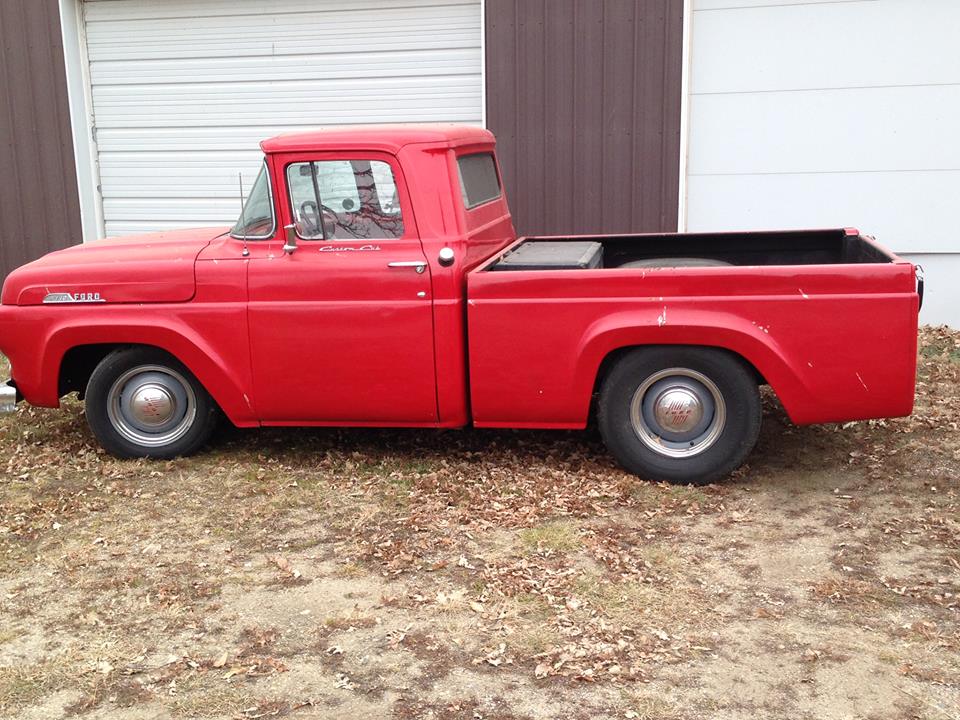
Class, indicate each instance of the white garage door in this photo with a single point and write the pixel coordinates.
(831, 113)
(183, 90)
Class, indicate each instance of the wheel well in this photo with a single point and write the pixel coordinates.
(79, 362)
(614, 356)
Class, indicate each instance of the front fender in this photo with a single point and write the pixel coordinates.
(217, 356)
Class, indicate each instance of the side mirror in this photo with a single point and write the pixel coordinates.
(291, 239)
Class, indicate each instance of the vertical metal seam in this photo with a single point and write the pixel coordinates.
(58, 112)
(634, 91)
(683, 131)
(575, 180)
(543, 109)
(664, 69)
(483, 63)
(517, 174)
(603, 94)
(40, 225)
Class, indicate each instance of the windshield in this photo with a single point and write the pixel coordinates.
(256, 218)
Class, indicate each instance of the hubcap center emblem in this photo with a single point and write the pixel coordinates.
(678, 410)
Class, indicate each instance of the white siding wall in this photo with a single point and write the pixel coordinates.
(184, 90)
(830, 113)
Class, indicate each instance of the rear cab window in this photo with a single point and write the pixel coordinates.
(479, 180)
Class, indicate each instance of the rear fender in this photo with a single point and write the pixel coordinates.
(677, 326)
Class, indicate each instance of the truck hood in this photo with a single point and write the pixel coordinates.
(150, 268)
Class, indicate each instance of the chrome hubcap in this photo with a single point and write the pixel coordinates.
(678, 412)
(151, 405)
(678, 409)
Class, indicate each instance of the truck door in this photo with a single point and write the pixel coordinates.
(341, 329)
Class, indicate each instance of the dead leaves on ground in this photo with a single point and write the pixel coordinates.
(595, 606)
(288, 574)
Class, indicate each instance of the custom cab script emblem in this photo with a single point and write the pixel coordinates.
(349, 248)
(65, 297)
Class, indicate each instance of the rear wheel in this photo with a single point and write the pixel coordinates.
(142, 402)
(679, 414)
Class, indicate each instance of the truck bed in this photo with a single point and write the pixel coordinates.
(826, 317)
(801, 247)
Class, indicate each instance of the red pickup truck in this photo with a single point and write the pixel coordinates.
(375, 279)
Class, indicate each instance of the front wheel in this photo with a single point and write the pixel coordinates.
(142, 402)
(679, 414)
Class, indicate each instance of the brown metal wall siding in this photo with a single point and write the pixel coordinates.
(584, 97)
(39, 204)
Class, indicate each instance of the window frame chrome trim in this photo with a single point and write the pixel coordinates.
(273, 209)
(389, 162)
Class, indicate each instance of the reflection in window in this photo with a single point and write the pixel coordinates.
(344, 200)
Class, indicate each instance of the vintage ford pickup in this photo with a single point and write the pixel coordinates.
(375, 279)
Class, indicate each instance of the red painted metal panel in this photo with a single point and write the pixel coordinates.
(836, 342)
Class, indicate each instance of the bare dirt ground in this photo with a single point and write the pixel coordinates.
(413, 574)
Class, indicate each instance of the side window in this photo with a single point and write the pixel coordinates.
(479, 182)
(344, 200)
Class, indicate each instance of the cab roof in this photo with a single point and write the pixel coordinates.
(387, 138)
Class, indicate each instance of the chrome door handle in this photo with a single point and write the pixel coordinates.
(419, 265)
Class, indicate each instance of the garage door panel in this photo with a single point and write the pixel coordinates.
(118, 11)
(184, 91)
(288, 68)
(215, 138)
(295, 34)
(226, 50)
(205, 47)
(413, 109)
(144, 166)
(345, 89)
(132, 227)
(886, 204)
(201, 212)
(825, 46)
(201, 183)
(825, 131)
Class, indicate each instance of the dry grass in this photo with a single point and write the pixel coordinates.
(558, 536)
(205, 696)
(508, 574)
(855, 592)
(648, 706)
(24, 685)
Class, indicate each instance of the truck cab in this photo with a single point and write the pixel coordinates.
(380, 228)
(374, 278)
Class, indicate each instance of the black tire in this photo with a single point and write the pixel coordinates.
(728, 435)
(126, 433)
